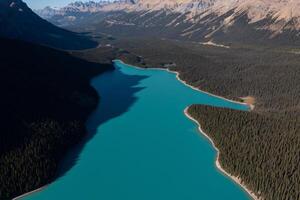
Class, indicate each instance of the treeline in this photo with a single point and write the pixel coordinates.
(264, 151)
(262, 146)
(45, 100)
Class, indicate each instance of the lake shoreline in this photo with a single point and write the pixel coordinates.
(251, 106)
(29, 193)
(237, 180)
(217, 162)
(96, 95)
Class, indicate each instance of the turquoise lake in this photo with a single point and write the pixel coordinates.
(141, 146)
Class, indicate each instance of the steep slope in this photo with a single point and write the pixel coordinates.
(46, 98)
(20, 22)
(76, 7)
(259, 21)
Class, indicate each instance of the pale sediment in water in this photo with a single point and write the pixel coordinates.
(249, 100)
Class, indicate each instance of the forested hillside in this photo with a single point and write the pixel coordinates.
(262, 150)
(264, 144)
(46, 98)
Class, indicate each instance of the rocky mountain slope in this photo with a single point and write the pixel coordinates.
(17, 21)
(200, 20)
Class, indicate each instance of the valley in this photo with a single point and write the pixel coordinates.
(257, 141)
(268, 22)
(87, 112)
(162, 156)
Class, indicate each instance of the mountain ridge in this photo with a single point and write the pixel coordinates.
(204, 19)
(18, 21)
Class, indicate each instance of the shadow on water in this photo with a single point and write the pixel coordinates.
(117, 94)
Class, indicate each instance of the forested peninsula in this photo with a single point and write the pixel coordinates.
(46, 99)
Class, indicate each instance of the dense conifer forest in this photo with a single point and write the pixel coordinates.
(262, 146)
(45, 101)
(262, 150)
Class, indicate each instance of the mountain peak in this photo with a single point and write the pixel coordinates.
(256, 10)
(14, 4)
(196, 18)
(18, 21)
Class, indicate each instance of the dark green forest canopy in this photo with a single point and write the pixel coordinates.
(271, 75)
(262, 150)
(262, 146)
(46, 98)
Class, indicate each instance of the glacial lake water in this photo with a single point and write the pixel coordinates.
(141, 146)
